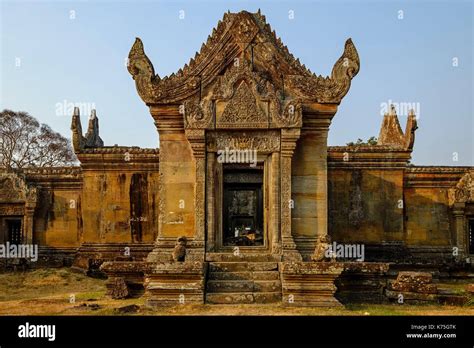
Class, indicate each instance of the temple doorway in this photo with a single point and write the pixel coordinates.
(471, 236)
(14, 232)
(243, 208)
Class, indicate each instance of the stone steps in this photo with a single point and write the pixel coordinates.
(250, 257)
(243, 282)
(243, 285)
(243, 297)
(256, 275)
(242, 266)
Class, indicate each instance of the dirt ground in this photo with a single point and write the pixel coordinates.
(64, 292)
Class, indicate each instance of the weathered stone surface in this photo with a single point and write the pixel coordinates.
(229, 298)
(117, 288)
(175, 283)
(267, 285)
(243, 266)
(418, 282)
(310, 283)
(260, 283)
(125, 205)
(230, 286)
(412, 287)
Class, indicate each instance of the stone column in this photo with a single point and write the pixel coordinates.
(288, 145)
(460, 230)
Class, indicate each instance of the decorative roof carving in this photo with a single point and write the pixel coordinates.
(92, 138)
(438, 169)
(242, 35)
(121, 150)
(391, 133)
(464, 190)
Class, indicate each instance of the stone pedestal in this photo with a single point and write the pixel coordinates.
(130, 272)
(310, 283)
(175, 283)
(362, 282)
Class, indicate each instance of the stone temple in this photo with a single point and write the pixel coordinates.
(243, 196)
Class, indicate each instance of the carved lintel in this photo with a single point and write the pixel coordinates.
(262, 141)
(10, 210)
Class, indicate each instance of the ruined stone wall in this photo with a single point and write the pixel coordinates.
(428, 216)
(430, 225)
(120, 195)
(398, 210)
(120, 207)
(365, 205)
(57, 219)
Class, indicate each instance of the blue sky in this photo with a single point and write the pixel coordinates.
(57, 53)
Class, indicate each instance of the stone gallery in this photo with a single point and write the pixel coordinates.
(243, 201)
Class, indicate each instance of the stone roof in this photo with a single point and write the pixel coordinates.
(235, 34)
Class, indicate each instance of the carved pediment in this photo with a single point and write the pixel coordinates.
(243, 97)
(242, 111)
(14, 189)
(464, 190)
(237, 36)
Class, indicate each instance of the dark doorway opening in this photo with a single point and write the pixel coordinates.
(243, 207)
(15, 235)
(471, 236)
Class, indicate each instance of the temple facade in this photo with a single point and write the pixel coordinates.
(243, 196)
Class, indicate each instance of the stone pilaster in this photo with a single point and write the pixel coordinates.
(460, 230)
(309, 178)
(197, 139)
(275, 203)
(177, 182)
(288, 145)
(28, 224)
(211, 202)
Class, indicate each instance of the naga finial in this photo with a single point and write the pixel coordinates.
(92, 136)
(142, 71)
(78, 139)
(347, 66)
(138, 62)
